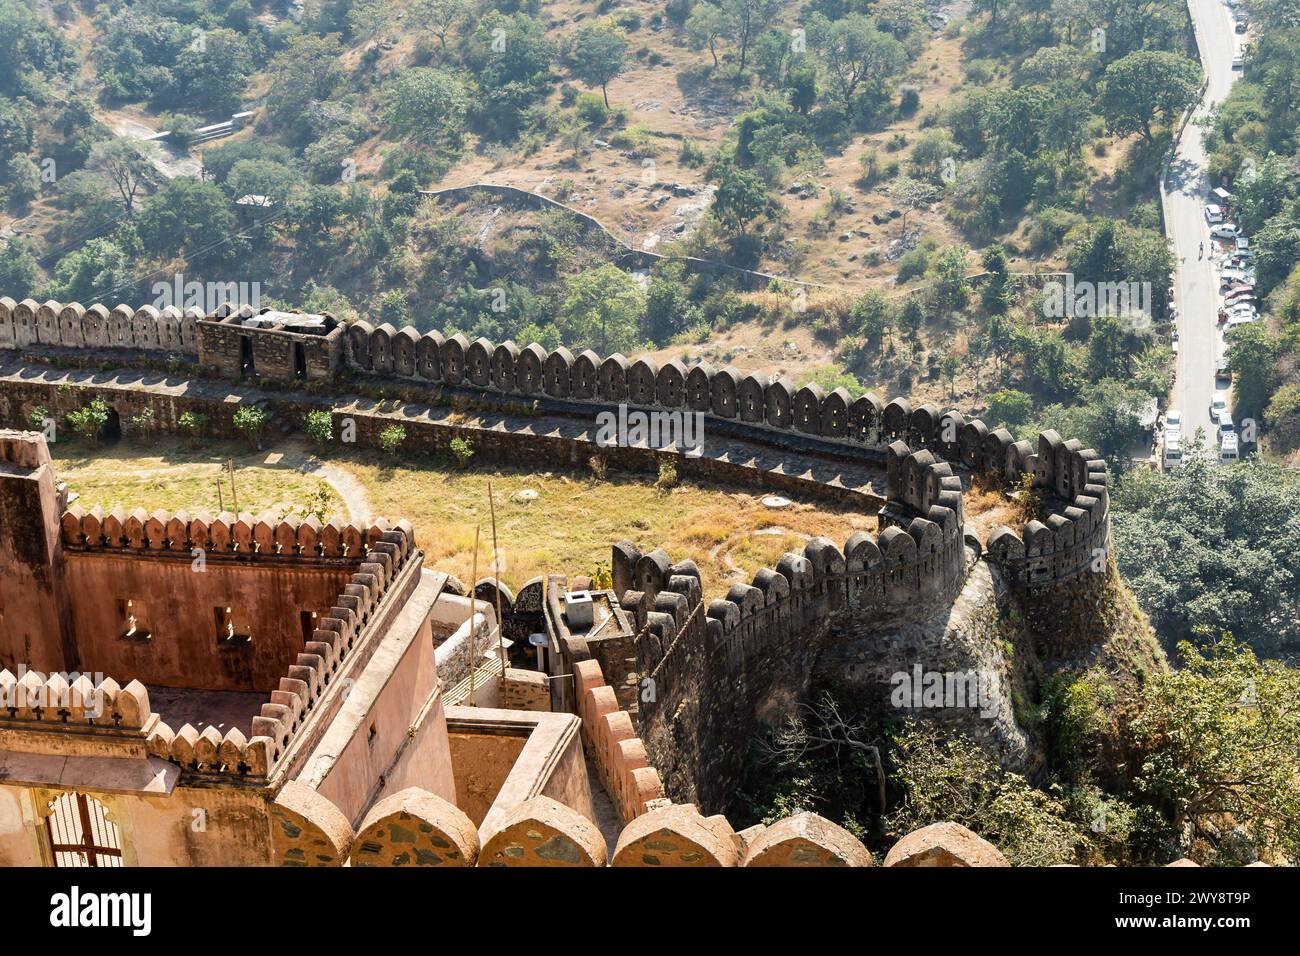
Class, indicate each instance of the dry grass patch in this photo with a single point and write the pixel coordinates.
(575, 518)
(568, 528)
(172, 476)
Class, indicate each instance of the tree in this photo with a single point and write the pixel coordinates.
(705, 26)
(746, 20)
(1109, 419)
(910, 321)
(18, 268)
(1252, 354)
(440, 16)
(188, 217)
(391, 438)
(1219, 740)
(303, 76)
(430, 106)
(1283, 417)
(912, 194)
(99, 270)
(741, 197)
(211, 79)
(1261, 196)
(858, 56)
(1010, 407)
(599, 54)
(602, 308)
(872, 316)
(949, 270)
(949, 777)
(950, 366)
(262, 177)
(996, 293)
(124, 165)
(15, 126)
(1199, 547)
(1144, 86)
(23, 177)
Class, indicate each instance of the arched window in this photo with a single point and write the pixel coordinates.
(81, 834)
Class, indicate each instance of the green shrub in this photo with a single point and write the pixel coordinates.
(251, 420)
(89, 420)
(144, 424)
(391, 438)
(592, 110)
(194, 423)
(462, 450)
(667, 473)
(319, 426)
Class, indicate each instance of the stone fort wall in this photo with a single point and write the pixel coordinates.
(756, 644)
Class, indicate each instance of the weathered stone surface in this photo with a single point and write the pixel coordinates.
(677, 835)
(544, 832)
(805, 839)
(307, 829)
(944, 844)
(415, 828)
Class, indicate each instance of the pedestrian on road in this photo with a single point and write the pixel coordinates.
(1201, 253)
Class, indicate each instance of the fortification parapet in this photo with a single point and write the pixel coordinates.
(1072, 480)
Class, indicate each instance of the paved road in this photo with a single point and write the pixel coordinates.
(1196, 285)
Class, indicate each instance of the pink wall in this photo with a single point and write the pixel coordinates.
(183, 650)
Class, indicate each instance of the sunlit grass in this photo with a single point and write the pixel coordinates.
(566, 529)
(172, 476)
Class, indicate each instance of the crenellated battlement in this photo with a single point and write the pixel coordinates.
(923, 447)
(52, 701)
(227, 534)
(74, 326)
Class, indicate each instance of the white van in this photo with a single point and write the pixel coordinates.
(1228, 447)
(1173, 456)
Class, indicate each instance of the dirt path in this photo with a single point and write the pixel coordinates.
(356, 498)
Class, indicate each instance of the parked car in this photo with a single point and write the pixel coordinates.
(1218, 403)
(1225, 230)
(1228, 448)
(1243, 247)
(1173, 454)
(1224, 425)
(1237, 62)
(1213, 213)
(1222, 371)
(1243, 23)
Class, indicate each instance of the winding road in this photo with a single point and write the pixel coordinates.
(1186, 188)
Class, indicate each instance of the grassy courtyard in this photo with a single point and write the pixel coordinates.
(558, 521)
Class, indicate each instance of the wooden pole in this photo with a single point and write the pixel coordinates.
(221, 498)
(496, 576)
(234, 495)
(473, 613)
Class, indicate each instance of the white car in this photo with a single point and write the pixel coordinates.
(1213, 214)
(1218, 403)
(1225, 230)
(1173, 421)
(1237, 62)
